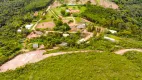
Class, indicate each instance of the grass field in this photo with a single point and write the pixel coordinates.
(81, 66)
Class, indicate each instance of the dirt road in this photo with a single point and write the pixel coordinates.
(123, 51)
(32, 57)
(33, 28)
(36, 56)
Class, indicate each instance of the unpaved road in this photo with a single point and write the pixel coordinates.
(32, 57)
(36, 56)
(123, 51)
(33, 28)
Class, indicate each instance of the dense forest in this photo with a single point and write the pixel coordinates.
(127, 19)
(13, 15)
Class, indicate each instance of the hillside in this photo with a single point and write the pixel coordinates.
(81, 66)
(70, 39)
(13, 15)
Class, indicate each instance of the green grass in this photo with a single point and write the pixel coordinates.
(130, 43)
(114, 37)
(79, 66)
(135, 57)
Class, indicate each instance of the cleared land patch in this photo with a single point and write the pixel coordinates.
(44, 25)
(87, 66)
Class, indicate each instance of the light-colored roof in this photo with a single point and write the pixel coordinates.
(67, 10)
(65, 35)
(110, 39)
(19, 30)
(28, 26)
(35, 45)
(81, 26)
(80, 41)
(113, 31)
(63, 44)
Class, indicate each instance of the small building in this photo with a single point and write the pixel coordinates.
(81, 41)
(28, 26)
(35, 45)
(65, 35)
(82, 26)
(63, 44)
(67, 10)
(19, 30)
(110, 39)
(113, 31)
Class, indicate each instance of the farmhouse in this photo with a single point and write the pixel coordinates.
(65, 35)
(113, 31)
(35, 45)
(110, 39)
(19, 30)
(28, 26)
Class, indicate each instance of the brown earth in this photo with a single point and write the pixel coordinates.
(32, 35)
(32, 57)
(123, 51)
(44, 25)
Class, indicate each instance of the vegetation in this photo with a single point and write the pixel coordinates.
(127, 21)
(60, 26)
(85, 66)
(135, 57)
(125, 24)
(13, 15)
(54, 39)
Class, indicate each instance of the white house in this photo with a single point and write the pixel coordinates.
(65, 35)
(19, 30)
(35, 45)
(28, 26)
(113, 31)
(67, 10)
(110, 39)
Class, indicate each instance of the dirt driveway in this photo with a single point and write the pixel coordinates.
(123, 51)
(22, 59)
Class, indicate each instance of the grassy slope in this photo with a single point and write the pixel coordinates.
(87, 66)
(135, 57)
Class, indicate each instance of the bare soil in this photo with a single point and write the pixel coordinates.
(32, 35)
(22, 59)
(44, 25)
(32, 57)
(123, 51)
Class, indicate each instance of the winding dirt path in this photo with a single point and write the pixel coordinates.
(123, 51)
(36, 56)
(33, 28)
(32, 57)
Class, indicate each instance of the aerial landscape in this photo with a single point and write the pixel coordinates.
(70, 39)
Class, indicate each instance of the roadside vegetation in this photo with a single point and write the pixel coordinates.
(14, 14)
(72, 27)
(77, 67)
